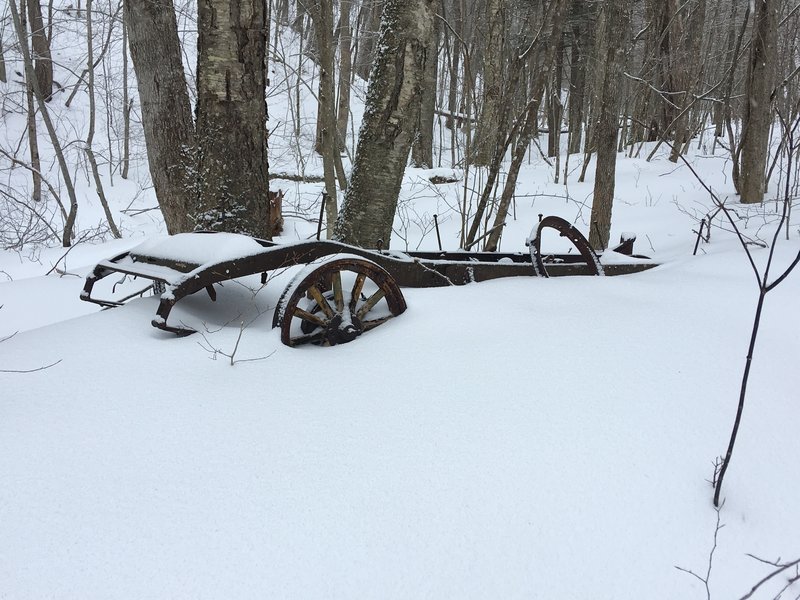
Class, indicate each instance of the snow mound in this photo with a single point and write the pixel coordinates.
(199, 248)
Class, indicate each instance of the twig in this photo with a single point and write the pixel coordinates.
(705, 579)
(238, 339)
(434, 271)
(781, 567)
(214, 351)
(8, 337)
(138, 211)
(498, 226)
(29, 370)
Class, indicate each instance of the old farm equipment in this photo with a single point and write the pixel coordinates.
(342, 291)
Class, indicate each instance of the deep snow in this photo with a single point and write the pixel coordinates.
(515, 438)
(520, 438)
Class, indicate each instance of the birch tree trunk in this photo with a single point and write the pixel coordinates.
(166, 112)
(232, 118)
(390, 118)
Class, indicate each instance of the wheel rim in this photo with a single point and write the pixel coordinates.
(336, 302)
(569, 231)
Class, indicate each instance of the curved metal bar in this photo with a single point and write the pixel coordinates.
(569, 231)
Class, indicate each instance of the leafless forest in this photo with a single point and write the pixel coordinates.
(90, 89)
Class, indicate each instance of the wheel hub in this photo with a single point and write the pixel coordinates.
(341, 331)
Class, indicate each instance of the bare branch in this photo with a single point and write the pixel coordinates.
(29, 370)
(781, 567)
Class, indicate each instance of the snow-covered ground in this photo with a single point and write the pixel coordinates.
(515, 438)
(520, 438)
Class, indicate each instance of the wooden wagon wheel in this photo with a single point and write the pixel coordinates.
(335, 301)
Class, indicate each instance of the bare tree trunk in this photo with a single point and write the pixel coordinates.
(577, 74)
(298, 79)
(2, 63)
(615, 15)
(298, 23)
(345, 35)
(390, 118)
(757, 118)
(166, 112)
(554, 107)
(688, 69)
(126, 103)
(321, 12)
(548, 66)
(455, 58)
(521, 147)
(367, 37)
(232, 168)
(654, 109)
(281, 11)
(43, 63)
(69, 224)
(520, 57)
(669, 30)
(49, 21)
(422, 149)
(720, 107)
(489, 121)
(728, 104)
(82, 79)
(33, 140)
(33, 143)
(90, 136)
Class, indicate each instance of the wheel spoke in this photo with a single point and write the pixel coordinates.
(337, 291)
(321, 302)
(367, 325)
(306, 339)
(317, 309)
(356, 293)
(370, 303)
(310, 317)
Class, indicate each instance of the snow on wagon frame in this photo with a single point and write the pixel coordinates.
(343, 291)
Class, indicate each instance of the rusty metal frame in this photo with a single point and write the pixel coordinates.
(411, 269)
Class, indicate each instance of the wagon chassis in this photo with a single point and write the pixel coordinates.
(330, 312)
